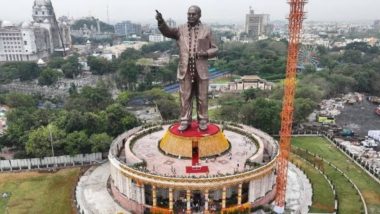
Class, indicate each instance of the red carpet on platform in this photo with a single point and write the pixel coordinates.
(197, 169)
(193, 130)
(195, 159)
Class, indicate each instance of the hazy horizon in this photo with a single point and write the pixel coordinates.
(233, 12)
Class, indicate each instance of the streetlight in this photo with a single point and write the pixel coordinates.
(51, 144)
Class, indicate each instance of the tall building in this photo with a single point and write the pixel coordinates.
(25, 43)
(127, 28)
(44, 17)
(256, 24)
(34, 40)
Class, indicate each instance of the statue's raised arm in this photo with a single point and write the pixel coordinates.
(159, 17)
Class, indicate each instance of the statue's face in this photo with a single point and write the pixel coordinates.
(193, 15)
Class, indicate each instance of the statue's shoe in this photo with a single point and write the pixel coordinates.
(183, 126)
(203, 125)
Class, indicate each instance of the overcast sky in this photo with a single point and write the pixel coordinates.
(231, 11)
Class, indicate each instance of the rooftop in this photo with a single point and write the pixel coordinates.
(242, 148)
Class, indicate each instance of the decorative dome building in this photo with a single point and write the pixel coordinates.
(161, 170)
(30, 42)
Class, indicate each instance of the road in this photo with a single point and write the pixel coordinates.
(175, 87)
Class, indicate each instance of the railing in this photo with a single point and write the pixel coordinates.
(344, 174)
(357, 160)
(49, 162)
(143, 175)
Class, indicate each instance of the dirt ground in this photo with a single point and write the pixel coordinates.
(360, 117)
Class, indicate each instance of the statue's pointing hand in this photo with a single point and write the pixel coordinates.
(159, 17)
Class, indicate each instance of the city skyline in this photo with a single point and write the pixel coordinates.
(143, 11)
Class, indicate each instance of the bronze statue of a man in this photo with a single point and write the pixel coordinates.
(196, 46)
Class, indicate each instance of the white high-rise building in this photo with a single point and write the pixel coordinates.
(34, 40)
(128, 28)
(256, 24)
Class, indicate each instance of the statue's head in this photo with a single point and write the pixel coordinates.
(194, 14)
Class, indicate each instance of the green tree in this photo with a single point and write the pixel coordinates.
(303, 108)
(265, 58)
(100, 142)
(72, 121)
(71, 68)
(309, 90)
(131, 54)
(23, 70)
(40, 141)
(169, 109)
(119, 120)
(340, 84)
(124, 98)
(374, 81)
(90, 99)
(229, 103)
(100, 66)
(27, 70)
(7, 74)
(363, 81)
(56, 62)
(77, 143)
(73, 91)
(363, 47)
(95, 123)
(166, 103)
(168, 73)
(15, 100)
(19, 122)
(250, 94)
(48, 77)
(127, 75)
(353, 56)
(160, 46)
(263, 114)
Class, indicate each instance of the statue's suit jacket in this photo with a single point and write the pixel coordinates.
(181, 34)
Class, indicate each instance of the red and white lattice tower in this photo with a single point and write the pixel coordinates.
(296, 17)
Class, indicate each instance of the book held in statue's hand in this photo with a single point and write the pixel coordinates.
(203, 45)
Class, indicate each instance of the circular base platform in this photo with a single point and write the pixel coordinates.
(208, 143)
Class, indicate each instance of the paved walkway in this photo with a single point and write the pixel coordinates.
(298, 192)
(146, 148)
(92, 195)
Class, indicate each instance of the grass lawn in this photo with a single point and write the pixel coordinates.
(33, 192)
(368, 187)
(323, 197)
(348, 198)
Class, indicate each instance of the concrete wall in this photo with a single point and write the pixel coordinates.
(126, 203)
(260, 187)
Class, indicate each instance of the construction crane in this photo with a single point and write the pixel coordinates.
(296, 17)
